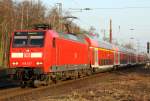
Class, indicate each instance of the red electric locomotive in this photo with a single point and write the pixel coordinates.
(43, 55)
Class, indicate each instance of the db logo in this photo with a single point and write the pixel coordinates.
(27, 55)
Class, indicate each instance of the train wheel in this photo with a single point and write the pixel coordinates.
(47, 80)
(53, 78)
(33, 83)
(36, 83)
(89, 72)
(23, 84)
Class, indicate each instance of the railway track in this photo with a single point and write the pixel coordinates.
(6, 93)
(62, 87)
(17, 93)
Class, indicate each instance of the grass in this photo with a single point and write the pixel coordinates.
(125, 87)
(110, 92)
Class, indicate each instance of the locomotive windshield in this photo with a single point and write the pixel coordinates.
(28, 39)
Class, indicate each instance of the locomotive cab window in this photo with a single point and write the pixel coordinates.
(28, 39)
(20, 41)
(36, 40)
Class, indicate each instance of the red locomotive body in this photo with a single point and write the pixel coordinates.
(43, 53)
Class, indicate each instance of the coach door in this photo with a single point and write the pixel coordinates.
(96, 56)
(114, 57)
(118, 58)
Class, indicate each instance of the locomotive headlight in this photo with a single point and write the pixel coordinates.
(14, 63)
(39, 63)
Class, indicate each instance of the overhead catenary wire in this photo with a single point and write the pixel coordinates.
(111, 8)
(124, 7)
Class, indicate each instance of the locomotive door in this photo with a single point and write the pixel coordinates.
(96, 56)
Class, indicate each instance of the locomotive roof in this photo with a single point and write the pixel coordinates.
(71, 36)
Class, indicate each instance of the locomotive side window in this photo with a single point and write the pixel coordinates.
(28, 39)
(54, 43)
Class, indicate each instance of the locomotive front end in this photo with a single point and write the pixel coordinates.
(27, 49)
(26, 54)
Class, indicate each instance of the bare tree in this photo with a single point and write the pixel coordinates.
(23, 15)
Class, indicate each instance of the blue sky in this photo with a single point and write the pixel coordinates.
(128, 18)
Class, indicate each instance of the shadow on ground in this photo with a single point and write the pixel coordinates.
(141, 70)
